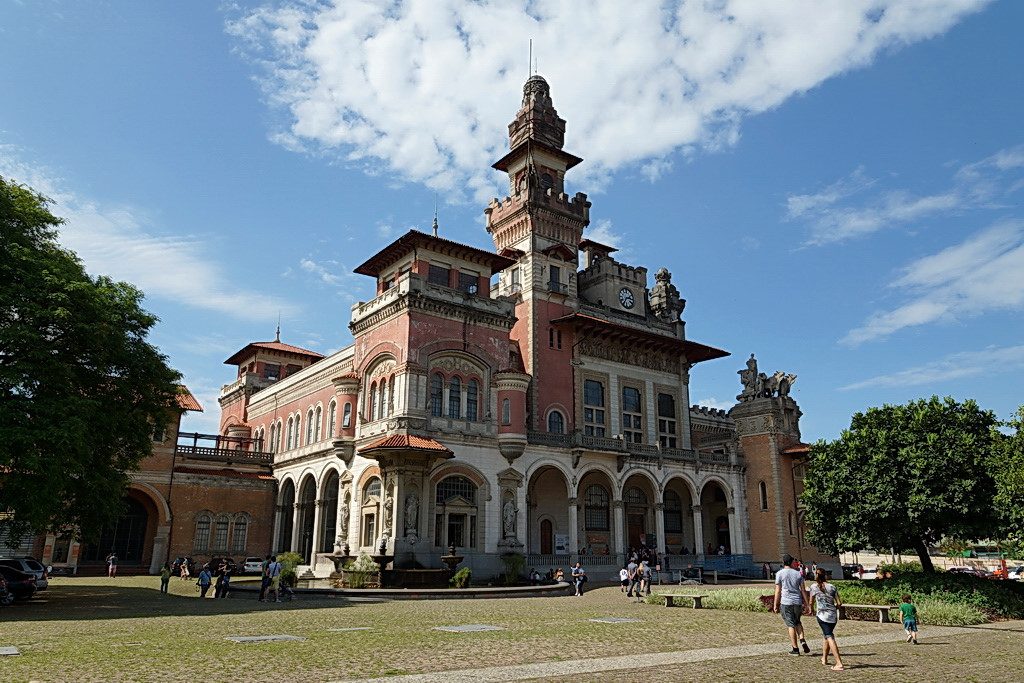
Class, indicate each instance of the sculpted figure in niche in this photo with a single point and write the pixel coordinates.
(343, 529)
(412, 511)
(389, 512)
(508, 518)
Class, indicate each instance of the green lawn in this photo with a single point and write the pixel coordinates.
(86, 629)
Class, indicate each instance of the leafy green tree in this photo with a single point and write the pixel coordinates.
(904, 476)
(81, 390)
(1009, 475)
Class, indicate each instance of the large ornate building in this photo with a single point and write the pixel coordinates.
(532, 398)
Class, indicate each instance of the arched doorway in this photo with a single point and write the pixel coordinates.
(547, 538)
(130, 537)
(307, 510)
(638, 497)
(714, 503)
(597, 493)
(284, 516)
(547, 500)
(329, 525)
(678, 517)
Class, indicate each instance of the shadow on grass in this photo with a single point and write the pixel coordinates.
(84, 602)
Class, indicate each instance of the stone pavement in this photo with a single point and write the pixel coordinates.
(640, 661)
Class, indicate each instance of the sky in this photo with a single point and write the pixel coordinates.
(835, 187)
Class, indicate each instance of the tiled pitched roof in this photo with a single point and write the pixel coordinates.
(273, 346)
(797, 449)
(186, 401)
(406, 441)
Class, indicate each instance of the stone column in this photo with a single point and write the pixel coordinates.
(735, 544)
(573, 527)
(296, 531)
(159, 548)
(318, 516)
(698, 532)
(659, 526)
(619, 525)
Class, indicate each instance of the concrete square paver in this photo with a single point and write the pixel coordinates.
(261, 639)
(351, 628)
(613, 620)
(9, 651)
(469, 628)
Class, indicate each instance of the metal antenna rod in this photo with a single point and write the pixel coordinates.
(530, 65)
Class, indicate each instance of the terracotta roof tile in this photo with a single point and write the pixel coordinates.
(186, 401)
(406, 441)
(797, 449)
(273, 346)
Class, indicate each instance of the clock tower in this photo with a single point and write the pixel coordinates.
(540, 226)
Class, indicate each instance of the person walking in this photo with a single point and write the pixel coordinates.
(623, 579)
(204, 581)
(225, 580)
(264, 579)
(908, 612)
(648, 577)
(790, 599)
(826, 601)
(185, 573)
(165, 577)
(632, 570)
(274, 572)
(111, 565)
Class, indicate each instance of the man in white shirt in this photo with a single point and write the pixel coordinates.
(790, 599)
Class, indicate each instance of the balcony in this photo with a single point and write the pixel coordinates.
(558, 288)
(223, 449)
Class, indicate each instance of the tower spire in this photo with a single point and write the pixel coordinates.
(277, 335)
(435, 215)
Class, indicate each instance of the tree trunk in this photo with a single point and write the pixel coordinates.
(922, 553)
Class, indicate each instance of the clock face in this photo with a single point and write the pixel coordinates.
(626, 298)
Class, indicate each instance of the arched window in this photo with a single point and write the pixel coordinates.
(373, 402)
(220, 533)
(346, 416)
(556, 423)
(298, 431)
(595, 514)
(436, 394)
(763, 490)
(291, 433)
(309, 427)
(673, 513)
(382, 399)
(280, 436)
(273, 438)
(318, 417)
(240, 535)
(456, 485)
(373, 488)
(370, 510)
(332, 416)
(455, 398)
(506, 412)
(201, 542)
(391, 397)
(471, 400)
(635, 496)
(330, 513)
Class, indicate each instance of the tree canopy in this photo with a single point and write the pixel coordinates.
(904, 476)
(1009, 474)
(81, 388)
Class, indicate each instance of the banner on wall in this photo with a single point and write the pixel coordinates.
(561, 544)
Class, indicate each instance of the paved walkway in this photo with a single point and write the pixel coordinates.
(644, 661)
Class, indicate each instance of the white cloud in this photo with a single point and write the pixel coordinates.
(118, 242)
(424, 88)
(601, 231)
(711, 402)
(983, 273)
(954, 366)
(834, 215)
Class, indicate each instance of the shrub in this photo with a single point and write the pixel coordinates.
(461, 578)
(900, 567)
(289, 560)
(736, 599)
(361, 571)
(514, 564)
(993, 598)
(289, 577)
(943, 613)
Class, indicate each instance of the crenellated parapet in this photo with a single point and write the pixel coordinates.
(499, 210)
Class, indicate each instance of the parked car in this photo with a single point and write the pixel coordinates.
(29, 566)
(6, 597)
(21, 585)
(215, 563)
(971, 571)
(252, 565)
(1016, 573)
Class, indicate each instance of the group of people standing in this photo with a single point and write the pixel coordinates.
(636, 577)
(793, 599)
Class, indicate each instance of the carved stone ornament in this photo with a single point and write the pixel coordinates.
(665, 300)
(456, 365)
(627, 354)
(508, 516)
(383, 368)
(412, 513)
(759, 385)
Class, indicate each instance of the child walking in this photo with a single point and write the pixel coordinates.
(908, 611)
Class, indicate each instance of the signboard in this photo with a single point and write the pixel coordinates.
(561, 544)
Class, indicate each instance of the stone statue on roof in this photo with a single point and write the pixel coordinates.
(665, 300)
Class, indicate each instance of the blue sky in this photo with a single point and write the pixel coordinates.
(836, 188)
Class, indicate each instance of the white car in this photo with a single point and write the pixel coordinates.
(252, 565)
(1016, 573)
(29, 566)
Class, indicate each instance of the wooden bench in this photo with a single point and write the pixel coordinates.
(670, 600)
(883, 611)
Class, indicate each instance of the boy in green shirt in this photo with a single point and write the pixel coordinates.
(909, 614)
